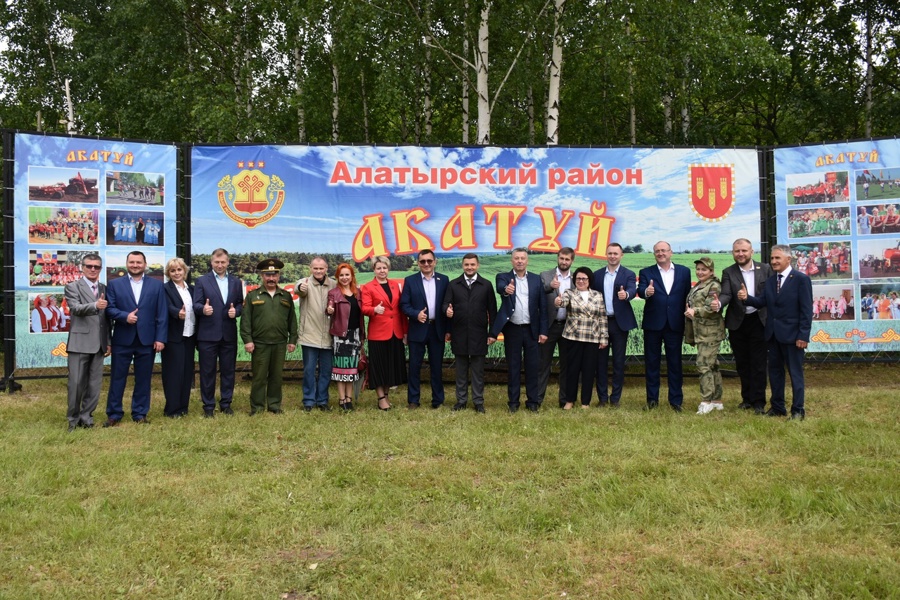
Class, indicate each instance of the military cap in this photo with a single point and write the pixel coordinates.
(706, 262)
(270, 265)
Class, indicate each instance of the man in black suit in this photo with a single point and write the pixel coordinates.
(787, 298)
(664, 288)
(420, 300)
(522, 318)
(555, 282)
(471, 308)
(218, 302)
(619, 287)
(746, 324)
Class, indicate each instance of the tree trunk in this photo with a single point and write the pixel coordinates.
(335, 103)
(483, 137)
(465, 80)
(298, 91)
(869, 73)
(555, 76)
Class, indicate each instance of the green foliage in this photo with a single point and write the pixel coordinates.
(720, 72)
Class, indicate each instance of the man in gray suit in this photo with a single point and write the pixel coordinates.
(555, 282)
(88, 342)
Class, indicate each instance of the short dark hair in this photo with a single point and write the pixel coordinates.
(584, 270)
(470, 255)
(133, 252)
(426, 251)
(566, 250)
(615, 244)
(91, 256)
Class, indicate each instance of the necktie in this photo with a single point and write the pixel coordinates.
(468, 282)
(778, 284)
(94, 289)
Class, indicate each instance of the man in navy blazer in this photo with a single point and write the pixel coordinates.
(420, 301)
(619, 287)
(137, 306)
(787, 299)
(522, 318)
(218, 301)
(664, 288)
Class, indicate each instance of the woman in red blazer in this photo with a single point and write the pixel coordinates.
(387, 332)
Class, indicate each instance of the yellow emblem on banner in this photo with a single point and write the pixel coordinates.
(251, 197)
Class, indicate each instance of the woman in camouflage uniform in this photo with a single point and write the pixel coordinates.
(705, 328)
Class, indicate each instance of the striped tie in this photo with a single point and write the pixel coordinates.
(778, 284)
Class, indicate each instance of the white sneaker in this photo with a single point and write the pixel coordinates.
(716, 406)
(704, 408)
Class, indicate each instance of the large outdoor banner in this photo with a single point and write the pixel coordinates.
(357, 202)
(75, 196)
(837, 208)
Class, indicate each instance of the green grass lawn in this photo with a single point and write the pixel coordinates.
(437, 504)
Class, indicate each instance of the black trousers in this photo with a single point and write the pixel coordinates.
(581, 368)
(748, 345)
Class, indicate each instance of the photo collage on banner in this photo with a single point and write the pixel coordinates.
(352, 203)
(838, 208)
(74, 197)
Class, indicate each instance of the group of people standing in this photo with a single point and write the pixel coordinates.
(586, 314)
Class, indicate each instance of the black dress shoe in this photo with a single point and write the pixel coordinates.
(532, 408)
(514, 409)
(797, 416)
(71, 428)
(278, 411)
(773, 413)
(324, 407)
(305, 409)
(479, 408)
(614, 405)
(208, 413)
(759, 411)
(436, 406)
(142, 421)
(84, 425)
(111, 423)
(651, 404)
(227, 411)
(412, 406)
(459, 406)
(676, 407)
(745, 406)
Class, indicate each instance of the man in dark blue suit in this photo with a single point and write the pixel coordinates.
(664, 288)
(787, 299)
(218, 302)
(522, 318)
(618, 286)
(421, 301)
(137, 306)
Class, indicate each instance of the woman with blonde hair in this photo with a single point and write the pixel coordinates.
(178, 355)
(387, 331)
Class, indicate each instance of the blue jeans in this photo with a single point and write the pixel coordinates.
(316, 375)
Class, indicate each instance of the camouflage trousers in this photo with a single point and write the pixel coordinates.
(708, 367)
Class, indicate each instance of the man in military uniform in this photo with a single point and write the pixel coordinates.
(268, 329)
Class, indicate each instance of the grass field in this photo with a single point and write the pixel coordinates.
(437, 504)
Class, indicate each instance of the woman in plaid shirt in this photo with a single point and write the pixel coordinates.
(585, 333)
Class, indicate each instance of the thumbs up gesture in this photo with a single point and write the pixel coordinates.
(231, 311)
(379, 310)
(510, 288)
(207, 309)
(305, 285)
(742, 293)
(132, 317)
(715, 304)
(557, 301)
(555, 283)
(423, 315)
(330, 309)
(101, 302)
(649, 291)
(622, 295)
(450, 311)
(181, 313)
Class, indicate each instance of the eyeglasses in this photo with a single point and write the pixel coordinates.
(94, 267)
(426, 261)
(582, 279)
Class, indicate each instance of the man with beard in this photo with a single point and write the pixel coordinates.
(555, 281)
(746, 324)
